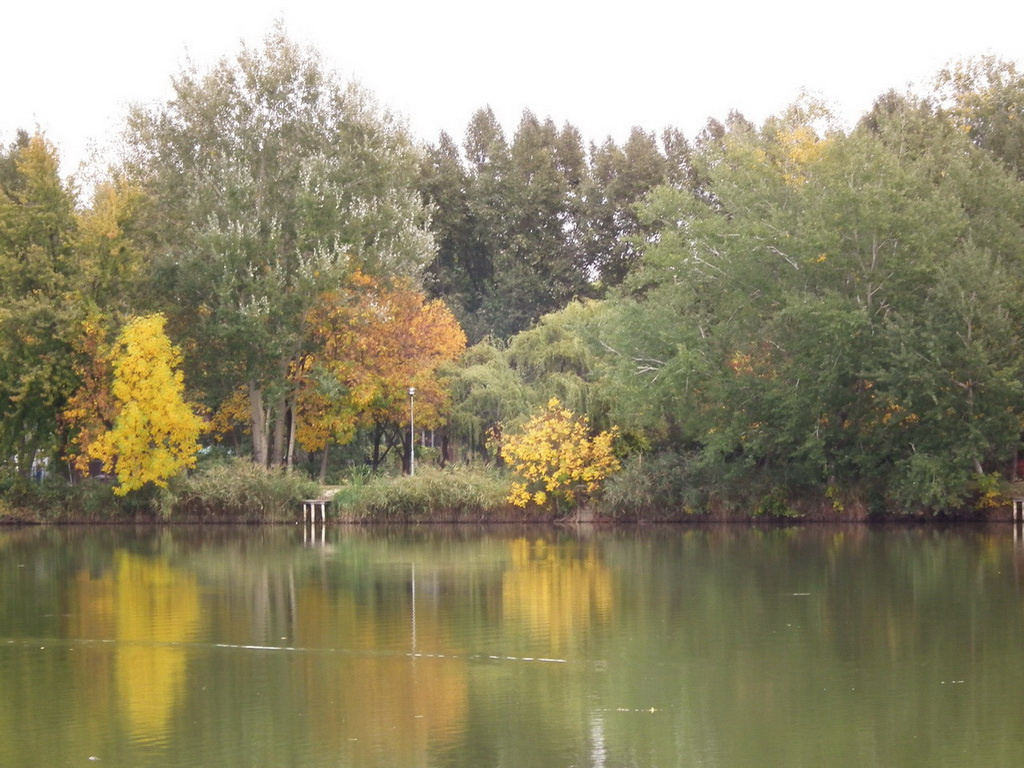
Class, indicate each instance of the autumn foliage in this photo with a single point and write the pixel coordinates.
(91, 410)
(156, 432)
(372, 342)
(558, 459)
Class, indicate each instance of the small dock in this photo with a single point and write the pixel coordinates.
(312, 507)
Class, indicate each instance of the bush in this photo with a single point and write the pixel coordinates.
(654, 486)
(558, 460)
(54, 499)
(433, 495)
(240, 490)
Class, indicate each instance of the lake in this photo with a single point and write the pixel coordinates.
(304, 647)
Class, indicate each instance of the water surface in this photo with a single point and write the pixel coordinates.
(429, 646)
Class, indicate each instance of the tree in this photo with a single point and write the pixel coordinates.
(456, 273)
(267, 182)
(558, 459)
(486, 392)
(539, 267)
(620, 178)
(985, 98)
(91, 410)
(824, 312)
(508, 223)
(38, 312)
(372, 342)
(156, 432)
(110, 260)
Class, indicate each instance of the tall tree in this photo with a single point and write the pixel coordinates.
(985, 97)
(268, 180)
(508, 221)
(539, 267)
(620, 178)
(457, 273)
(110, 261)
(38, 314)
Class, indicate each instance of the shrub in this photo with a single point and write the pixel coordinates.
(657, 486)
(238, 489)
(431, 495)
(89, 499)
(557, 459)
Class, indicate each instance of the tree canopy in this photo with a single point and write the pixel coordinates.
(267, 181)
(784, 310)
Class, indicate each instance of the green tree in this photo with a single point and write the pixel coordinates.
(486, 392)
(267, 181)
(508, 222)
(110, 261)
(825, 317)
(619, 180)
(38, 311)
(985, 98)
(539, 267)
(461, 269)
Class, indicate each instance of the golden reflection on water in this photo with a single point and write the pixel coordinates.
(398, 689)
(149, 608)
(555, 592)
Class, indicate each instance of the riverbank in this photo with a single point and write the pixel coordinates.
(239, 492)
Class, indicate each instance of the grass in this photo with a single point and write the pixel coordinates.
(454, 494)
(237, 490)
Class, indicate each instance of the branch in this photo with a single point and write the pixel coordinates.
(790, 261)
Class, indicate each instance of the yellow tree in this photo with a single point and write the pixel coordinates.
(156, 432)
(558, 459)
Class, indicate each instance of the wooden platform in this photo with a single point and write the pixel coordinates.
(310, 508)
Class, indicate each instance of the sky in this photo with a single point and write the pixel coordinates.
(72, 68)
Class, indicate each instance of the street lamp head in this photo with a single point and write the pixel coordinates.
(412, 391)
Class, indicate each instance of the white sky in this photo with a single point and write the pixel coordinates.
(71, 67)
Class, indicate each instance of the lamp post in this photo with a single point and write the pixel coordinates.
(412, 431)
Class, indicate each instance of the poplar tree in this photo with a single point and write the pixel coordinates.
(268, 181)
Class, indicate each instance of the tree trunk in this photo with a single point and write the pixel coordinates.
(291, 435)
(407, 447)
(323, 464)
(375, 460)
(446, 449)
(258, 420)
(280, 430)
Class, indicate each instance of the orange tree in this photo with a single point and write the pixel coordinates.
(557, 458)
(91, 410)
(372, 342)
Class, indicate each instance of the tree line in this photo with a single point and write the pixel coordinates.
(770, 312)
